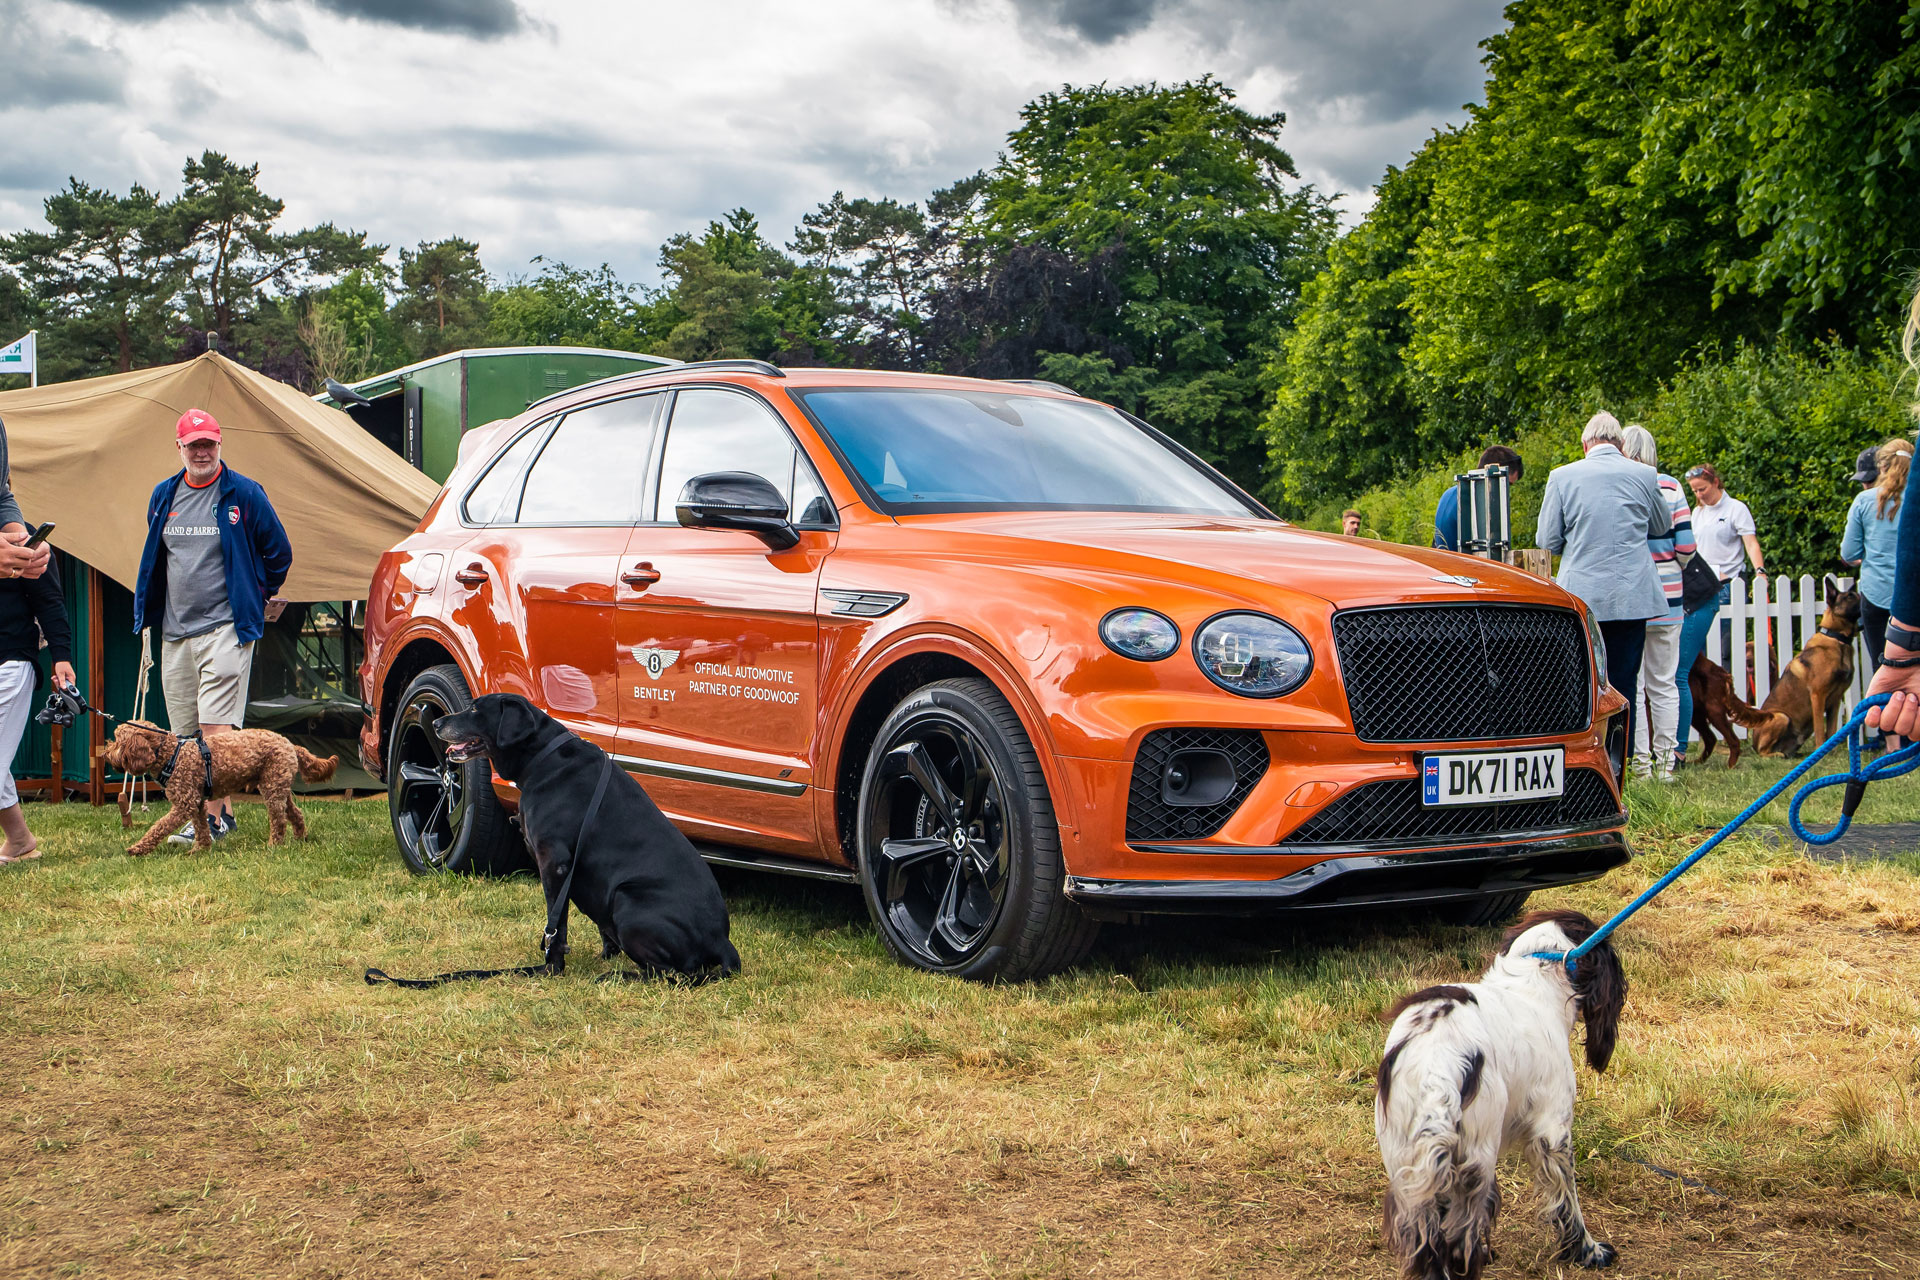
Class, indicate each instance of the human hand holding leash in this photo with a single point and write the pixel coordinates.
(1901, 716)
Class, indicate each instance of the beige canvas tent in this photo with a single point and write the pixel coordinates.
(87, 454)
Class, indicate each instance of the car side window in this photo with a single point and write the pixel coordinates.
(716, 430)
(496, 499)
(592, 467)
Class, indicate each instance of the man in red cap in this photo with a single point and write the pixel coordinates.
(215, 557)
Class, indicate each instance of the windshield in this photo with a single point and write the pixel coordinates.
(925, 450)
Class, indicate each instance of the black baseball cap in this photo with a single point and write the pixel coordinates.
(1866, 468)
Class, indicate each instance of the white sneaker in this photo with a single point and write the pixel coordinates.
(182, 836)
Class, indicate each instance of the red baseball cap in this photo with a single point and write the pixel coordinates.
(196, 424)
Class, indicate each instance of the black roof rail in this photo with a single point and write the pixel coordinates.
(1041, 382)
(750, 366)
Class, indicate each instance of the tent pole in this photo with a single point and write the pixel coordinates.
(96, 687)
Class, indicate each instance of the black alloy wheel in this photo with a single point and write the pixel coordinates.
(959, 852)
(445, 815)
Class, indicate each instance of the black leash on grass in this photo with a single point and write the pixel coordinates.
(553, 943)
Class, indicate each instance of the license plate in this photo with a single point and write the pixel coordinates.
(1492, 777)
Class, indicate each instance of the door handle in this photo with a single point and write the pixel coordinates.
(641, 575)
(474, 575)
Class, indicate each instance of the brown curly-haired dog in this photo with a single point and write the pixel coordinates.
(246, 759)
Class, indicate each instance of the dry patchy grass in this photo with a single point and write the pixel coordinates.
(197, 1081)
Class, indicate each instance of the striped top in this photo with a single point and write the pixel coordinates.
(1668, 548)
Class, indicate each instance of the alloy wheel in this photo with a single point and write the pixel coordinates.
(943, 855)
(430, 793)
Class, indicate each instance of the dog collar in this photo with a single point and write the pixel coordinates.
(1831, 634)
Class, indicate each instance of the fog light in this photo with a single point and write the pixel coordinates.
(1196, 779)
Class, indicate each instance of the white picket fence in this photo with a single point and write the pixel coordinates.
(1783, 619)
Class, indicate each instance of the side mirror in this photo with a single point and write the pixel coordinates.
(737, 500)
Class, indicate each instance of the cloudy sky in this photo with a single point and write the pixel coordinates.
(590, 130)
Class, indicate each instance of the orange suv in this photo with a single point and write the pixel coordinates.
(1011, 660)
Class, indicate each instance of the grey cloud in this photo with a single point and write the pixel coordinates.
(40, 69)
(1390, 56)
(1097, 21)
(484, 19)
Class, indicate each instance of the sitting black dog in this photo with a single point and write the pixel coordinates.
(599, 840)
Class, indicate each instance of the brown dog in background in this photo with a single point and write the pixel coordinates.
(246, 759)
(1802, 708)
(1712, 690)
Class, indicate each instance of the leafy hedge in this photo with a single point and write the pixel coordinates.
(1783, 428)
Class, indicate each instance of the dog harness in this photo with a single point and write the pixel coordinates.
(206, 764)
(553, 942)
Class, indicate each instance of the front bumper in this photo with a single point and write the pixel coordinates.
(1352, 877)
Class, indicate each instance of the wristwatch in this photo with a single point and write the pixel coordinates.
(1905, 637)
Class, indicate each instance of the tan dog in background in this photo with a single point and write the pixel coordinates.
(244, 760)
(1802, 708)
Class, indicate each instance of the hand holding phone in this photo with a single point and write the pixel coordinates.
(39, 535)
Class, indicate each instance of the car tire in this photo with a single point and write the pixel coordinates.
(993, 907)
(445, 817)
(1480, 912)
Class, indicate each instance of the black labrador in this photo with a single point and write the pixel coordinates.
(599, 840)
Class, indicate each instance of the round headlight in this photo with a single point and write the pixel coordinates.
(1140, 634)
(1252, 654)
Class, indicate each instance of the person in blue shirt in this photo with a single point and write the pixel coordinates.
(1873, 531)
(1446, 516)
(210, 576)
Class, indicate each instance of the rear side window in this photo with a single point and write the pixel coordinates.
(496, 499)
(725, 431)
(592, 468)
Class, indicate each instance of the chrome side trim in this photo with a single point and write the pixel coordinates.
(863, 604)
(718, 777)
(750, 860)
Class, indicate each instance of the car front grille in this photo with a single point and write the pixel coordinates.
(1391, 811)
(1150, 817)
(1463, 673)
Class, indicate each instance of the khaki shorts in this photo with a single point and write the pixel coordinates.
(205, 679)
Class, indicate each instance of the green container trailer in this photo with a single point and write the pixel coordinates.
(421, 411)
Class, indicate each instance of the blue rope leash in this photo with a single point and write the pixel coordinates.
(1856, 778)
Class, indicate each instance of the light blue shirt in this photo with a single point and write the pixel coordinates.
(1872, 541)
(1598, 513)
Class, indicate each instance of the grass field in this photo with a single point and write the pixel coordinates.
(197, 1081)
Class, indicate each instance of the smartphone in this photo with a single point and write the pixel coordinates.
(40, 534)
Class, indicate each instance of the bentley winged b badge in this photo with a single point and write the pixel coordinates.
(655, 660)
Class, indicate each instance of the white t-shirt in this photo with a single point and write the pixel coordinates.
(1718, 529)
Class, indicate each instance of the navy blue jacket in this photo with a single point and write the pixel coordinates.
(252, 541)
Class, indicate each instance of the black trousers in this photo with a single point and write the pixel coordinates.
(1626, 641)
(1873, 624)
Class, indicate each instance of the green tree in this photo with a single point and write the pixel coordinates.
(443, 296)
(730, 294)
(1170, 208)
(1805, 115)
(349, 331)
(568, 306)
(102, 278)
(232, 254)
(1349, 409)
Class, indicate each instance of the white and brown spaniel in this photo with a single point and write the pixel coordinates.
(1471, 1071)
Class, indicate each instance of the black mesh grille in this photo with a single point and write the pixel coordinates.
(1463, 673)
(1150, 818)
(1386, 811)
